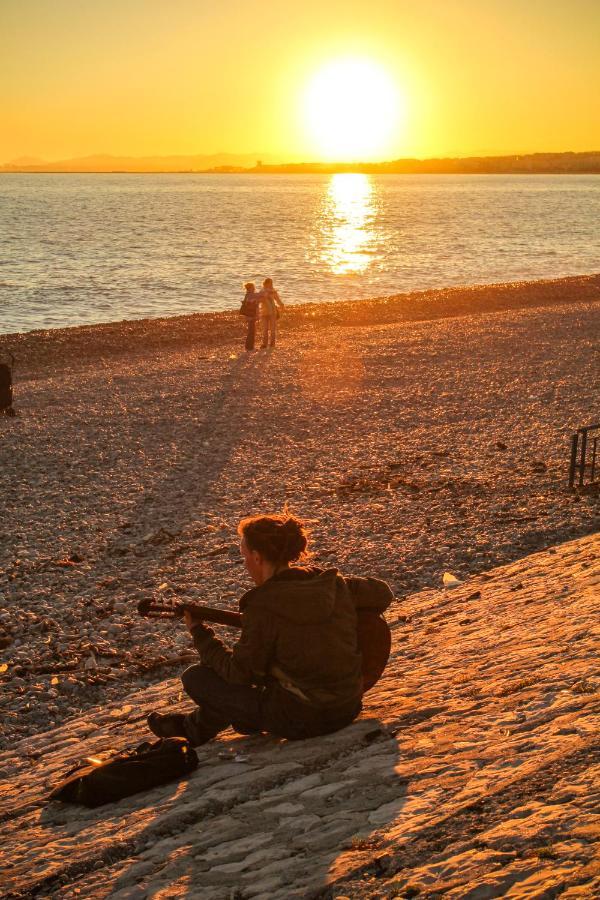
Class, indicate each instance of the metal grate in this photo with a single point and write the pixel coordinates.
(585, 462)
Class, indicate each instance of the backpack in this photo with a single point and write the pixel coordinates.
(248, 308)
(95, 781)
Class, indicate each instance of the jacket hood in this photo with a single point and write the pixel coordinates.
(305, 596)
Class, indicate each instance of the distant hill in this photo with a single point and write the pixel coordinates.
(531, 163)
(24, 161)
(108, 163)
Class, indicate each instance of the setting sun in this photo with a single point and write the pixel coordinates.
(352, 108)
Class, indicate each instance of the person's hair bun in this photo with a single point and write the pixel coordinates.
(281, 539)
(295, 540)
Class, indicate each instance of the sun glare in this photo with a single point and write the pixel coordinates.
(348, 216)
(352, 109)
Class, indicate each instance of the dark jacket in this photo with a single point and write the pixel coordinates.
(299, 628)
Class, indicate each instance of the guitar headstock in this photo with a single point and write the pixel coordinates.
(165, 608)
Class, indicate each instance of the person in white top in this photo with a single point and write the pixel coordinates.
(270, 304)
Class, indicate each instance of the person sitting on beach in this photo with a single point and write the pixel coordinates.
(296, 671)
(249, 309)
(270, 304)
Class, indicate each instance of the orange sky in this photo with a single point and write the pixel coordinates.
(147, 77)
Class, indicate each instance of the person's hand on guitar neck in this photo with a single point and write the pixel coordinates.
(194, 623)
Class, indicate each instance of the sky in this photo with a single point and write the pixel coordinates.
(151, 77)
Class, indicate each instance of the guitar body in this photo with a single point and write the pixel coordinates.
(373, 632)
(374, 643)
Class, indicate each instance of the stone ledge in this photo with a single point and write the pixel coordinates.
(474, 771)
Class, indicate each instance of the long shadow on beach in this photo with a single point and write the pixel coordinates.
(229, 833)
(182, 493)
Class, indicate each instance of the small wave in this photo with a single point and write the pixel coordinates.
(65, 288)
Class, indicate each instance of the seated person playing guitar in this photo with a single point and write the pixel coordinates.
(296, 670)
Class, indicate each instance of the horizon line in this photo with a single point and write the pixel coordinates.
(403, 165)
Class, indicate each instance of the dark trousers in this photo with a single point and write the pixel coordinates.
(251, 710)
(250, 334)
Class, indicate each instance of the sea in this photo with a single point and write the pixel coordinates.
(82, 249)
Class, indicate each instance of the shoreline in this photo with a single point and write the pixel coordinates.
(211, 329)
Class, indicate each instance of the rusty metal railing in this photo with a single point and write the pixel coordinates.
(585, 456)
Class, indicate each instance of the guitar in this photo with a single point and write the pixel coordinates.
(373, 632)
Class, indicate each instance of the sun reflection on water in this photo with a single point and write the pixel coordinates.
(349, 211)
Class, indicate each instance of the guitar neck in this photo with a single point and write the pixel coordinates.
(211, 614)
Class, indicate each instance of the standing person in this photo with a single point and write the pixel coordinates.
(270, 304)
(296, 670)
(249, 308)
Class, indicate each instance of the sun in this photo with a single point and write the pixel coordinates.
(352, 108)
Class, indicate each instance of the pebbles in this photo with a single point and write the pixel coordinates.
(412, 449)
(473, 767)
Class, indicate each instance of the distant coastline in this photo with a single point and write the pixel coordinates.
(568, 163)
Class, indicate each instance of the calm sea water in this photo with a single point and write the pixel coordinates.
(77, 249)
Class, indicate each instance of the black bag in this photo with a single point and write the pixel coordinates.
(96, 781)
(247, 309)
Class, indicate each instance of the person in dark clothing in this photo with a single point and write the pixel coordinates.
(296, 670)
(250, 305)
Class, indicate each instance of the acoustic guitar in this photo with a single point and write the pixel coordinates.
(373, 632)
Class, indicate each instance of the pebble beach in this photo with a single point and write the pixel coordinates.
(420, 434)
(473, 771)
